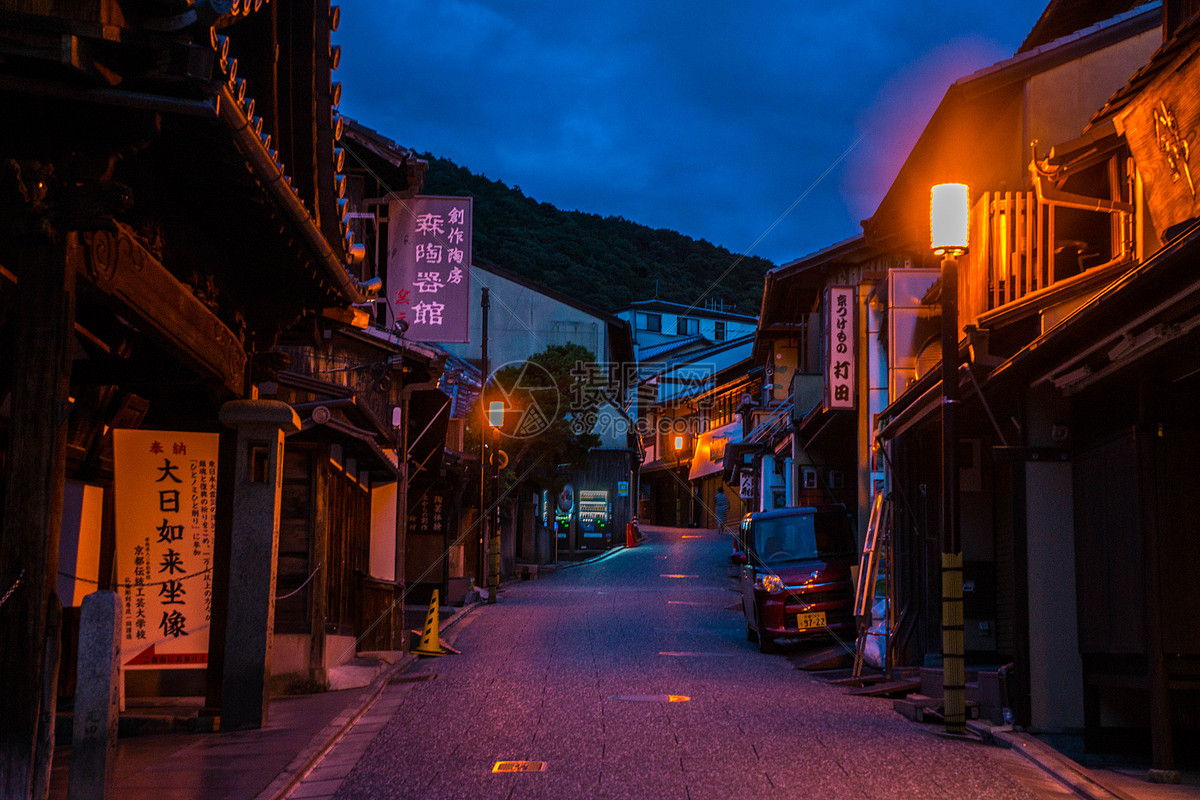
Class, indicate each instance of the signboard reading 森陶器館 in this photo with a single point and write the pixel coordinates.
(429, 266)
(165, 498)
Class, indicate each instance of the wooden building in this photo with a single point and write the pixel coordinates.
(1074, 376)
(172, 202)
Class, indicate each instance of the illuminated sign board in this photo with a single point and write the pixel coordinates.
(839, 352)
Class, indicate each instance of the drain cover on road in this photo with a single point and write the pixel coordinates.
(519, 766)
(651, 698)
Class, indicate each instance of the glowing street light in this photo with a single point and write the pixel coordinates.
(949, 226)
(678, 479)
(496, 413)
(949, 218)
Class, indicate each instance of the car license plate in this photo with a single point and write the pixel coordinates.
(811, 619)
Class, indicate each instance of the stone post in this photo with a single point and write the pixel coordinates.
(97, 698)
(258, 475)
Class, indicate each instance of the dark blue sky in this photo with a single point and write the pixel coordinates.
(696, 116)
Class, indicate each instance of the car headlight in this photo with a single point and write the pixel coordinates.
(769, 583)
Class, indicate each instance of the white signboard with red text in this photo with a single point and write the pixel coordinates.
(429, 266)
(839, 353)
(166, 500)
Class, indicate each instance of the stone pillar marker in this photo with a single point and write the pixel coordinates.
(97, 698)
(261, 426)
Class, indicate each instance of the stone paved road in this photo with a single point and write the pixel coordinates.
(540, 671)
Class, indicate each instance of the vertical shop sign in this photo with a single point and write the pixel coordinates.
(839, 362)
(165, 496)
(429, 266)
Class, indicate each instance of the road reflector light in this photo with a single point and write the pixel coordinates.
(519, 766)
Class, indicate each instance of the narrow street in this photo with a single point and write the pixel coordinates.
(573, 670)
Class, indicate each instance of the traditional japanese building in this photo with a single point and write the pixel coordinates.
(1073, 376)
(172, 205)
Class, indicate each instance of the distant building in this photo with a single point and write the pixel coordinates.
(656, 322)
(525, 318)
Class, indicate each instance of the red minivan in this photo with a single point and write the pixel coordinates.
(796, 578)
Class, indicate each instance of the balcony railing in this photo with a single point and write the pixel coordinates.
(1025, 242)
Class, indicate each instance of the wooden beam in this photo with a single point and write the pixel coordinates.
(118, 265)
(44, 325)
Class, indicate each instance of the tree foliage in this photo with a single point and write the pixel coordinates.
(607, 262)
(542, 397)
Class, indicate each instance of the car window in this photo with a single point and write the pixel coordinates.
(802, 537)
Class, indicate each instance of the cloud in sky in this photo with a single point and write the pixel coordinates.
(701, 117)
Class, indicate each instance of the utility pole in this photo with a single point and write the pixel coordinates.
(400, 423)
(485, 304)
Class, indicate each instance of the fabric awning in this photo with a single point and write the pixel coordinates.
(710, 449)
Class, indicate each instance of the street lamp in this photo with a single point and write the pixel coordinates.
(495, 420)
(949, 224)
(678, 478)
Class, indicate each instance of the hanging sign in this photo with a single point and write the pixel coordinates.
(429, 266)
(165, 496)
(746, 486)
(839, 350)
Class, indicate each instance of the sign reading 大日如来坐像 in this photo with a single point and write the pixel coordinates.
(429, 266)
(165, 498)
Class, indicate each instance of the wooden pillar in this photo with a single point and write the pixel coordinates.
(44, 325)
(1161, 736)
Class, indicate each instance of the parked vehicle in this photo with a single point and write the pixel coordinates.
(738, 556)
(796, 576)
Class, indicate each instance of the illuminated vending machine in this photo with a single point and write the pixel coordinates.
(564, 511)
(593, 518)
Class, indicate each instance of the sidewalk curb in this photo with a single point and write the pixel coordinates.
(559, 565)
(1077, 778)
(327, 739)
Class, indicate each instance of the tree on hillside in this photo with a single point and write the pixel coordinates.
(542, 396)
(610, 261)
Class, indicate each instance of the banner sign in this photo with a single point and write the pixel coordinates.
(839, 334)
(429, 266)
(746, 486)
(165, 497)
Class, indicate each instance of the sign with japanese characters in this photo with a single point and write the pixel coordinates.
(839, 335)
(429, 266)
(165, 497)
(746, 486)
(428, 515)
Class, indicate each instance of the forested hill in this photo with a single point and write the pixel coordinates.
(604, 261)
